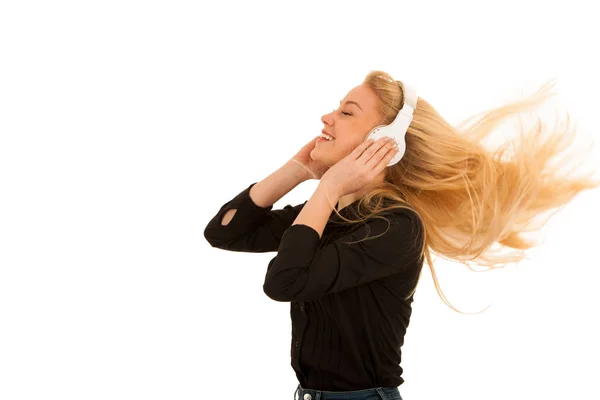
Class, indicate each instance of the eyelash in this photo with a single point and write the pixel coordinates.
(345, 113)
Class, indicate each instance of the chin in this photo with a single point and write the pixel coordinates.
(323, 160)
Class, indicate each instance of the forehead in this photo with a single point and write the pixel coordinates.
(364, 96)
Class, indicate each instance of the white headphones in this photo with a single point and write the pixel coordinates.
(397, 129)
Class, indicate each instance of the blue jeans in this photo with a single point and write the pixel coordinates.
(378, 393)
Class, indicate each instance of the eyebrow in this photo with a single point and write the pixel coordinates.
(353, 102)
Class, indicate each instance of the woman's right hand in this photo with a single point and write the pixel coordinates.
(314, 169)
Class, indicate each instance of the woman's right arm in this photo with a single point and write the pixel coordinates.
(248, 223)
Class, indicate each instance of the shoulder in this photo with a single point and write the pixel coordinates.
(401, 225)
(392, 237)
(391, 225)
(401, 215)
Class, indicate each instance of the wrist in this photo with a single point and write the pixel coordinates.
(330, 190)
(296, 170)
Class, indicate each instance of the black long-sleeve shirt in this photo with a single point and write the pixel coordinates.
(347, 301)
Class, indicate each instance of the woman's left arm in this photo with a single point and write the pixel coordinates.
(302, 271)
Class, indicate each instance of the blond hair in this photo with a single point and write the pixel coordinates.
(468, 198)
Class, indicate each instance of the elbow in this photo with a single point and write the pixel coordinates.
(275, 292)
(211, 239)
(217, 237)
(281, 291)
(285, 289)
(217, 233)
(274, 286)
(285, 284)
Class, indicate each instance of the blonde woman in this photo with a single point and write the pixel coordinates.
(349, 258)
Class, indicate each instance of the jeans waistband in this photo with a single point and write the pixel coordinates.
(384, 393)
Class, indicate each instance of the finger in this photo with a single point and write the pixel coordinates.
(385, 146)
(360, 149)
(391, 153)
(372, 150)
(383, 152)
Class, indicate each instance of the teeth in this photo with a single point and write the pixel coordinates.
(325, 136)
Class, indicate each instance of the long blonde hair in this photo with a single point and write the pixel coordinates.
(468, 198)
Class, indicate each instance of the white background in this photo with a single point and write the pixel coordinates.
(126, 125)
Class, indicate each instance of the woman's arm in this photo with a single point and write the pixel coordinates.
(268, 191)
(303, 270)
(247, 222)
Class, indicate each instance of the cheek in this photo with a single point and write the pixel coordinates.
(357, 134)
(345, 147)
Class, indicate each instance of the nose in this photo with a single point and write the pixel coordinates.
(326, 119)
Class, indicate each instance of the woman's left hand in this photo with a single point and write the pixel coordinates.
(359, 168)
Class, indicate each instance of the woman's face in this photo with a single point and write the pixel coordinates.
(349, 125)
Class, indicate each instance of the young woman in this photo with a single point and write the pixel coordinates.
(349, 258)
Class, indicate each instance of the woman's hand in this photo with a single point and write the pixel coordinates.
(314, 169)
(360, 167)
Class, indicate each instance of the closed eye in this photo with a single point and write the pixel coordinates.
(343, 112)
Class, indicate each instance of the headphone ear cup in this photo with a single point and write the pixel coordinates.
(385, 130)
(377, 132)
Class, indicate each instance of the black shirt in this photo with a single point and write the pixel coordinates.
(347, 301)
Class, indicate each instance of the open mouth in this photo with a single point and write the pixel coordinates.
(326, 137)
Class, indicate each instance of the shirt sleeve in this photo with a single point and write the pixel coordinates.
(253, 229)
(301, 271)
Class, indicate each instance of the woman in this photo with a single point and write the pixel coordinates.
(349, 258)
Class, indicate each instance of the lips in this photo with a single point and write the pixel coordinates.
(327, 133)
